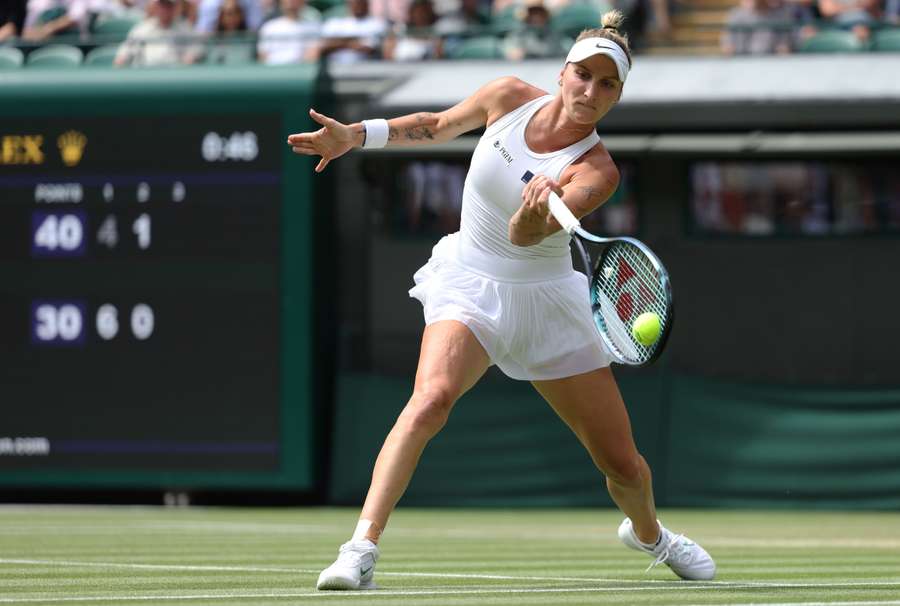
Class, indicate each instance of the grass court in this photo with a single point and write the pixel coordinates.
(210, 556)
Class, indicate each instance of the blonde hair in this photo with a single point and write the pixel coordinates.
(610, 23)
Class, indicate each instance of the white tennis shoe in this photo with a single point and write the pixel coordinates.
(353, 569)
(686, 559)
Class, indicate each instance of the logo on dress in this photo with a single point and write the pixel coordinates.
(505, 154)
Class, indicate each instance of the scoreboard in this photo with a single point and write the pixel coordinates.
(144, 289)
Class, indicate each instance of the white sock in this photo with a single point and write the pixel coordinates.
(653, 545)
(362, 529)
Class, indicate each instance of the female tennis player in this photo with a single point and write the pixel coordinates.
(503, 290)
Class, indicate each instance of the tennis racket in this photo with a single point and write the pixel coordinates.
(627, 280)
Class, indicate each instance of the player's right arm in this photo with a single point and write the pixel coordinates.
(489, 102)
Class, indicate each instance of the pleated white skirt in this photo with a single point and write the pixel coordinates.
(532, 317)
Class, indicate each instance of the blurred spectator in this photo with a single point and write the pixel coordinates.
(892, 12)
(854, 199)
(290, 38)
(208, 14)
(12, 18)
(187, 11)
(497, 6)
(758, 27)
(353, 38)
(662, 24)
(231, 31)
(416, 40)
(471, 18)
(232, 19)
(433, 196)
(47, 18)
(160, 39)
(856, 15)
(643, 18)
(535, 39)
(395, 11)
(445, 7)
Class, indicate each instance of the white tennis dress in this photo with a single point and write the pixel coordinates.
(526, 305)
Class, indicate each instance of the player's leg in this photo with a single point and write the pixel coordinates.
(591, 405)
(451, 361)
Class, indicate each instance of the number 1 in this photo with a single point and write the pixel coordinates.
(141, 228)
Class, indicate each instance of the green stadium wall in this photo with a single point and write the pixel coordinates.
(709, 442)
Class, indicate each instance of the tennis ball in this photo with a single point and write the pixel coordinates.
(646, 329)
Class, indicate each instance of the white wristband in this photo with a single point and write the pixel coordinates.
(376, 133)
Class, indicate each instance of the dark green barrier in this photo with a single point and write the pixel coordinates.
(744, 445)
(709, 443)
(157, 262)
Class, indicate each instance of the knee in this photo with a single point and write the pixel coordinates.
(427, 411)
(626, 470)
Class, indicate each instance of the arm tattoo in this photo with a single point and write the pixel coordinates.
(423, 129)
(412, 133)
(589, 192)
(418, 133)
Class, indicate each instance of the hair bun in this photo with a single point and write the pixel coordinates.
(612, 19)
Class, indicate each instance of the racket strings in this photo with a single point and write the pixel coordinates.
(628, 285)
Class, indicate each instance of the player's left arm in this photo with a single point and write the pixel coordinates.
(583, 187)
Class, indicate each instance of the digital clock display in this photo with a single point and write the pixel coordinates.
(140, 307)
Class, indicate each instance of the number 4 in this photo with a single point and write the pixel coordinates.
(108, 233)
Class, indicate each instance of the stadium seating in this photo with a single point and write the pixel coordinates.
(832, 41)
(102, 56)
(339, 10)
(10, 57)
(114, 28)
(54, 55)
(324, 5)
(479, 47)
(886, 40)
(506, 20)
(311, 13)
(571, 19)
(235, 53)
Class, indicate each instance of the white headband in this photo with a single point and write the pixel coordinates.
(588, 47)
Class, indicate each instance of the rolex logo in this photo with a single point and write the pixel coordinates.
(71, 146)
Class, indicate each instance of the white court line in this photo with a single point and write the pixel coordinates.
(186, 567)
(175, 526)
(591, 535)
(436, 575)
(858, 603)
(393, 593)
(446, 575)
(878, 543)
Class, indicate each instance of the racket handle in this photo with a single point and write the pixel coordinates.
(562, 214)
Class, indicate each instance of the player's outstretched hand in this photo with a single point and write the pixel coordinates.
(334, 139)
